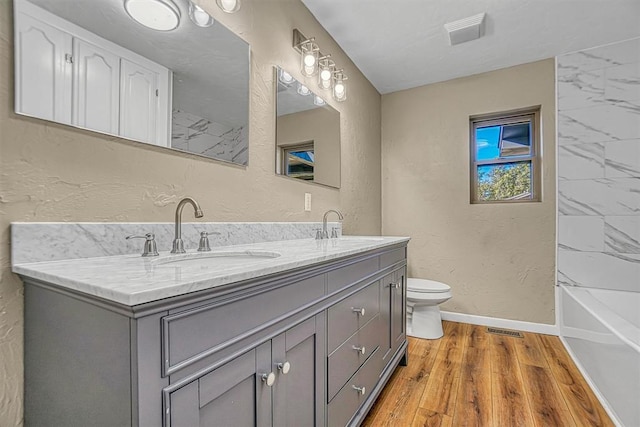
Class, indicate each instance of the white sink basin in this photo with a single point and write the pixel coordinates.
(215, 259)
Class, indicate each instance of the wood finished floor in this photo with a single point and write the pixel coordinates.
(472, 378)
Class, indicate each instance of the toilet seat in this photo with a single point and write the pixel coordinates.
(426, 286)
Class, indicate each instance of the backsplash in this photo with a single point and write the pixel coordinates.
(195, 134)
(599, 167)
(50, 241)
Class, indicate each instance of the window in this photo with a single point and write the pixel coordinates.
(298, 161)
(505, 157)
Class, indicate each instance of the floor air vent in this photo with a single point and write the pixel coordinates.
(506, 332)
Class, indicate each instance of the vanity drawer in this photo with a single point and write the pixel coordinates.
(342, 408)
(190, 335)
(351, 274)
(346, 360)
(346, 317)
(392, 257)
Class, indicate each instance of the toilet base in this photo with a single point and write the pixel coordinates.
(424, 322)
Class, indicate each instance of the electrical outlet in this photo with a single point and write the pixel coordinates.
(307, 202)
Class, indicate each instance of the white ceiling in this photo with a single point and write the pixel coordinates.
(400, 44)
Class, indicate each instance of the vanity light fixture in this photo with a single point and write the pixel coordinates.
(339, 87)
(303, 90)
(229, 6)
(318, 101)
(160, 15)
(325, 72)
(309, 58)
(199, 16)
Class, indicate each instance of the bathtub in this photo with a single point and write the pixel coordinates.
(601, 330)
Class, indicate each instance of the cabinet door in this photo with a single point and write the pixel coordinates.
(138, 102)
(96, 87)
(298, 395)
(398, 309)
(232, 395)
(43, 70)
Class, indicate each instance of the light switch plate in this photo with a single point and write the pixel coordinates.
(307, 202)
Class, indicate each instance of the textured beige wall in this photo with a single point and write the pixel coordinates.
(50, 172)
(498, 259)
(321, 126)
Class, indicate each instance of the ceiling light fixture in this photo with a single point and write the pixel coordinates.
(160, 15)
(199, 16)
(229, 6)
(466, 29)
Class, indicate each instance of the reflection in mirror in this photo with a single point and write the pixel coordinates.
(307, 133)
(88, 64)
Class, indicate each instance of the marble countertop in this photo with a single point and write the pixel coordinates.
(133, 280)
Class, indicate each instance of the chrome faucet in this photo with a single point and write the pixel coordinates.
(325, 233)
(178, 244)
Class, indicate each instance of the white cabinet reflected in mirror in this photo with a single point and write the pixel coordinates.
(88, 64)
(307, 133)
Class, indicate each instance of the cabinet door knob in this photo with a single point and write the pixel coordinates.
(284, 367)
(395, 285)
(360, 390)
(361, 350)
(269, 378)
(359, 311)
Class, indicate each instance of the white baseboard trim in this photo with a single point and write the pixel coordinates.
(496, 322)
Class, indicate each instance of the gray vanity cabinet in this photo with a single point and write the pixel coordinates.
(313, 346)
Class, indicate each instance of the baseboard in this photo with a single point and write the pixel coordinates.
(497, 322)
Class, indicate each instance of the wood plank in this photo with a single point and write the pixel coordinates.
(427, 418)
(510, 404)
(400, 399)
(529, 351)
(583, 405)
(474, 405)
(442, 385)
(548, 407)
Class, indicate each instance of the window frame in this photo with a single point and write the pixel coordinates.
(284, 157)
(532, 115)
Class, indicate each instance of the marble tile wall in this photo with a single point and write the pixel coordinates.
(197, 135)
(50, 241)
(599, 167)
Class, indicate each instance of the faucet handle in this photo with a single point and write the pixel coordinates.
(150, 248)
(334, 232)
(204, 242)
(318, 234)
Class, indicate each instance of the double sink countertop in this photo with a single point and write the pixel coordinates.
(132, 279)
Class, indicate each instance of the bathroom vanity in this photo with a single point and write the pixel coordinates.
(296, 333)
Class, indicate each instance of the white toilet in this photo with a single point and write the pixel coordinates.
(423, 312)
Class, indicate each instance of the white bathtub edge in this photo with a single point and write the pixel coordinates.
(496, 322)
(592, 386)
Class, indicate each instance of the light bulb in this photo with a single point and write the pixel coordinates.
(228, 6)
(303, 90)
(339, 89)
(318, 101)
(199, 16)
(286, 77)
(309, 60)
(325, 74)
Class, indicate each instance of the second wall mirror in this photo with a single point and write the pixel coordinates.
(307, 133)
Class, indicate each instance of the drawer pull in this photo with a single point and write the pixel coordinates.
(359, 311)
(269, 378)
(395, 285)
(360, 390)
(284, 367)
(361, 350)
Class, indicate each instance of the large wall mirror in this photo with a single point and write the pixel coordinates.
(307, 133)
(89, 64)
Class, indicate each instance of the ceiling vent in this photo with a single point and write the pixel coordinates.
(466, 29)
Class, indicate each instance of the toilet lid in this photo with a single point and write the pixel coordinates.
(427, 286)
